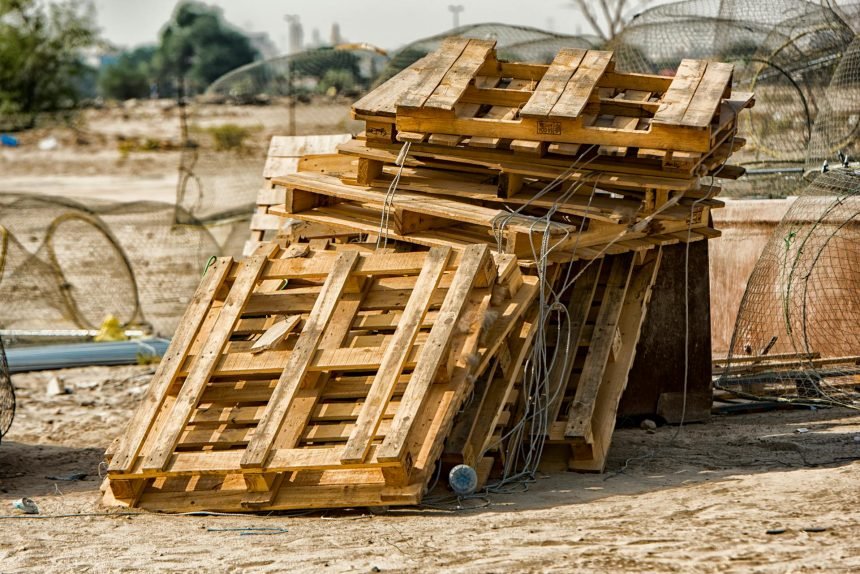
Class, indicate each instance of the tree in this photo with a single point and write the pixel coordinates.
(198, 46)
(41, 57)
(131, 76)
(607, 18)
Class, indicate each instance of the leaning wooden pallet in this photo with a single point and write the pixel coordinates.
(336, 389)
(606, 309)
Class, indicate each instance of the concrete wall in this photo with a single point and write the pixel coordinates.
(747, 226)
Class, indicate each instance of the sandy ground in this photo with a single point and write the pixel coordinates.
(696, 500)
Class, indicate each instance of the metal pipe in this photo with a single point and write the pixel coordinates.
(770, 170)
(49, 357)
(48, 333)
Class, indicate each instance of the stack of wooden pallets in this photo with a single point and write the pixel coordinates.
(616, 157)
(390, 325)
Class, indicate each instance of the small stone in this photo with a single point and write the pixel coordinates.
(375, 569)
(56, 387)
(648, 425)
(776, 531)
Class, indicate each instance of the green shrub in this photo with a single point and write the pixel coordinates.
(229, 137)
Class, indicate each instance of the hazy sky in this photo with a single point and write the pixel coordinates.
(385, 23)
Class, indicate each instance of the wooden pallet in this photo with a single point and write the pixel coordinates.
(455, 187)
(434, 220)
(607, 307)
(618, 177)
(335, 388)
(463, 91)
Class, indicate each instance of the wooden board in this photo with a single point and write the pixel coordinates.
(553, 83)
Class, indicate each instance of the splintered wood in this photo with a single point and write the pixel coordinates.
(335, 388)
(384, 321)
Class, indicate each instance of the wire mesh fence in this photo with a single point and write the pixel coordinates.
(7, 394)
(796, 335)
(786, 51)
(835, 138)
(67, 265)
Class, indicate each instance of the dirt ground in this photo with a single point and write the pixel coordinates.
(127, 152)
(698, 499)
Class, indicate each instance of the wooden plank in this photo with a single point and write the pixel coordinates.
(582, 406)
(458, 77)
(634, 95)
(677, 98)
(528, 147)
(205, 362)
(301, 357)
(285, 152)
(445, 398)
(433, 355)
(708, 95)
(340, 432)
(488, 416)
(564, 148)
(395, 355)
(449, 140)
(435, 68)
(456, 211)
(275, 334)
(555, 129)
(131, 441)
(376, 264)
(382, 101)
(548, 168)
(411, 137)
(553, 83)
(575, 96)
